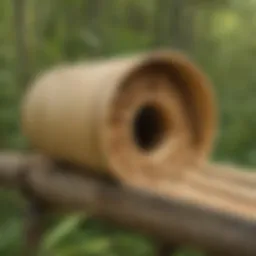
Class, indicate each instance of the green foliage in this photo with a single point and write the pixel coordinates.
(218, 34)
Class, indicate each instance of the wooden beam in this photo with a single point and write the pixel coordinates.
(171, 220)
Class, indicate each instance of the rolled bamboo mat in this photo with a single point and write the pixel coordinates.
(148, 120)
(142, 118)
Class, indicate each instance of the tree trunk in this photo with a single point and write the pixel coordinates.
(94, 26)
(161, 23)
(176, 17)
(182, 25)
(21, 41)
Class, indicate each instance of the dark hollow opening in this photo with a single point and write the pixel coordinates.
(149, 127)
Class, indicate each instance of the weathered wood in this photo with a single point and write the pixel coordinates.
(171, 220)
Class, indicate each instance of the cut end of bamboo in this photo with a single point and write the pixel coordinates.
(162, 116)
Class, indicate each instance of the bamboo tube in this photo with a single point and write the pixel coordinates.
(139, 117)
(148, 120)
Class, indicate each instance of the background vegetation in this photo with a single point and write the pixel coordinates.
(35, 34)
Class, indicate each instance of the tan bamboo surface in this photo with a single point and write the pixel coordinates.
(226, 187)
(223, 188)
(99, 114)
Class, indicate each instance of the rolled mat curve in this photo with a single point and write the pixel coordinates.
(146, 116)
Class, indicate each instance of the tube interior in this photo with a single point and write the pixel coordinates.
(199, 119)
(149, 127)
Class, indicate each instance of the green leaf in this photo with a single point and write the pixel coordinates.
(61, 232)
